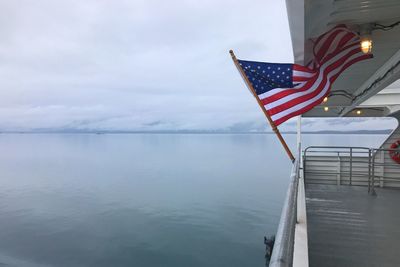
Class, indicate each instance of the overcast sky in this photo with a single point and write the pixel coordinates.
(138, 64)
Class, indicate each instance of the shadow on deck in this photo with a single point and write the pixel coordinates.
(349, 227)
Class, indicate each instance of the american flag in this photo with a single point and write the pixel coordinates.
(288, 90)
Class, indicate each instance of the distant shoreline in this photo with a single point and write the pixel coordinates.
(386, 131)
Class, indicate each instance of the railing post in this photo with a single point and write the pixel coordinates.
(338, 178)
(381, 179)
(351, 165)
(369, 170)
(304, 165)
(373, 174)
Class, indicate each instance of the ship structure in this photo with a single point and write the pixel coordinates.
(342, 203)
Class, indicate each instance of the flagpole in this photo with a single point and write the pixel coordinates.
(271, 122)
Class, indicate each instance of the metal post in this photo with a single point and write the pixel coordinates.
(351, 164)
(304, 165)
(373, 176)
(382, 169)
(369, 170)
(299, 133)
(338, 178)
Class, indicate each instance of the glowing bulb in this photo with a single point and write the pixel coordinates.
(366, 45)
(358, 112)
(325, 99)
(365, 40)
(326, 109)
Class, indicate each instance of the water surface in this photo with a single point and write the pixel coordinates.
(143, 199)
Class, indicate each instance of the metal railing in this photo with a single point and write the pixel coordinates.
(282, 253)
(351, 166)
(330, 165)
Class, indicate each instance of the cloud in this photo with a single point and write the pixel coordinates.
(129, 64)
(134, 65)
(347, 124)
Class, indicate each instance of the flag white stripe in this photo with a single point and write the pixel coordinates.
(352, 41)
(271, 92)
(305, 74)
(333, 45)
(321, 42)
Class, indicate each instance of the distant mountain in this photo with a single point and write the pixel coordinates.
(84, 131)
(384, 131)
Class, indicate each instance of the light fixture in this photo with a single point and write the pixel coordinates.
(325, 99)
(366, 45)
(365, 38)
(358, 112)
(326, 109)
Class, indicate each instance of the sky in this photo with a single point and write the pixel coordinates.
(140, 65)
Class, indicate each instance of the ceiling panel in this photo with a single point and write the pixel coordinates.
(322, 15)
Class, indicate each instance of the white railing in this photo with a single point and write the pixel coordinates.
(360, 166)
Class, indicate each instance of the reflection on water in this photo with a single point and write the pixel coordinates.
(143, 200)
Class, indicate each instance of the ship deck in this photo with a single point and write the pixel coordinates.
(349, 227)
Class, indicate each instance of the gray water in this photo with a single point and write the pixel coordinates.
(143, 199)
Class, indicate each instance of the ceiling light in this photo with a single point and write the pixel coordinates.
(326, 109)
(366, 45)
(365, 38)
(325, 99)
(358, 112)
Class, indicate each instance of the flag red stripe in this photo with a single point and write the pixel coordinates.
(300, 79)
(348, 64)
(317, 50)
(347, 38)
(299, 111)
(326, 45)
(339, 50)
(316, 43)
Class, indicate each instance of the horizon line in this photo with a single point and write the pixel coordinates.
(383, 131)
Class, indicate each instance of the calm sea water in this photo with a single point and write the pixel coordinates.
(143, 200)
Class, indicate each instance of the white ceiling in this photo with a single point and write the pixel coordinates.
(321, 15)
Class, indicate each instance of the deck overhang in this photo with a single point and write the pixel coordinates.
(358, 87)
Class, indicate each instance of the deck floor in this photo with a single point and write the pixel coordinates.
(348, 227)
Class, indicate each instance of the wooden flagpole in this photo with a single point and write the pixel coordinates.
(271, 122)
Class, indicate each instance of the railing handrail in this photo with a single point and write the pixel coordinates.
(282, 253)
(353, 147)
(346, 147)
